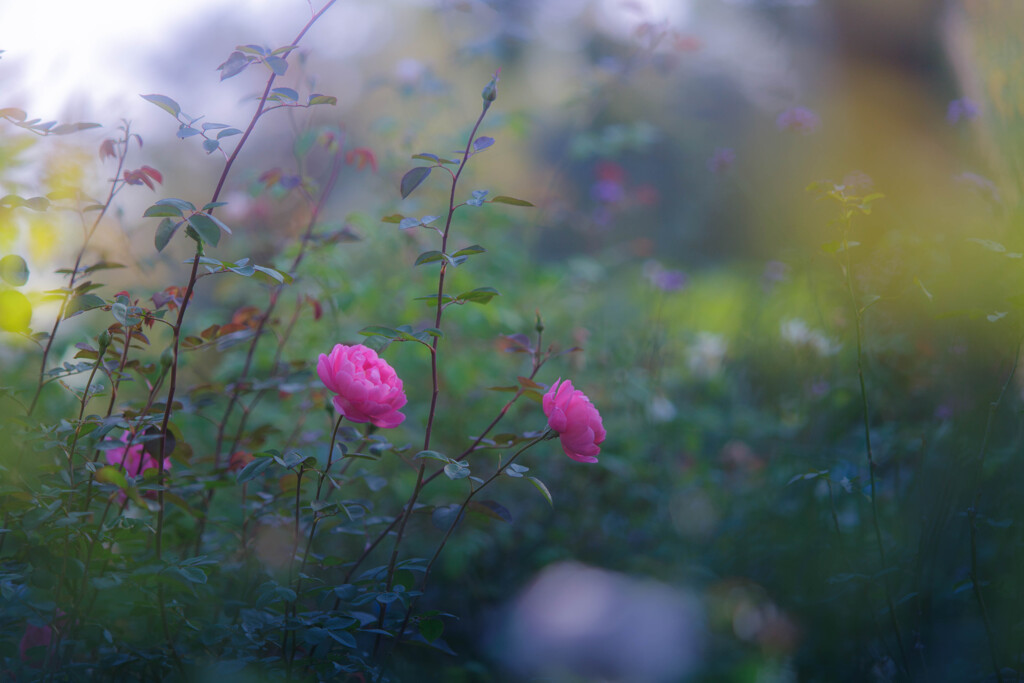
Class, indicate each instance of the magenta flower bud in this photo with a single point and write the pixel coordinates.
(574, 417)
(367, 388)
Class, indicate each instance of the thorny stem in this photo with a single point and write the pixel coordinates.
(272, 304)
(289, 607)
(115, 186)
(858, 321)
(404, 518)
(78, 427)
(312, 529)
(239, 383)
(451, 528)
(187, 298)
(195, 267)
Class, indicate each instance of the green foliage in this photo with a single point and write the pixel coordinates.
(179, 501)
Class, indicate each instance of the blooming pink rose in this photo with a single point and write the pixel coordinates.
(574, 417)
(367, 388)
(134, 459)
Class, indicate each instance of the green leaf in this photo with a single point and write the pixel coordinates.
(205, 227)
(180, 204)
(158, 210)
(492, 509)
(165, 103)
(274, 274)
(253, 469)
(322, 99)
(125, 314)
(192, 574)
(393, 218)
(233, 66)
(433, 455)
(112, 475)
(227, 132)
(837, 247)
(165, 231)
(219, 222)
(432, 299)
(502, 199)
(456, 470)
(426, 156)
(514, 470)
(480, 295)
(284, 94)
(431, 629)
(430, 257)
(14, 270)
(474, 249)
(378, 331)
(277, 65)
(412, 180)
(211, 146)
(82, 302)
(543, 489)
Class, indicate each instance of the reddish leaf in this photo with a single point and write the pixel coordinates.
(153, 173)
(107, 149)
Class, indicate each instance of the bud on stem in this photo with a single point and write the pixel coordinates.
(490, 91)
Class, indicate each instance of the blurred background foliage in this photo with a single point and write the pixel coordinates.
(667, 147)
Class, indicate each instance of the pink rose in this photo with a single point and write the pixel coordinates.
(574, 417)
(367, 388)
(38, 636)
(134, 459)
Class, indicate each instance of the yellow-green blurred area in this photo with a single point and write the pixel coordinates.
(739, 331)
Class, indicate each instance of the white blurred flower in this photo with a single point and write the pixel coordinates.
(660, 409)
(706, 353)
(408, 71)
(798, 333)
(600, 625)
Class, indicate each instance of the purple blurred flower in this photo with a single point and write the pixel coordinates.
(819, 387)
(607, 191)
(980, 184)
(774, 273)
(665, 280)
(798, 120)
(670, 280)
(963, 109)
(722, 160)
